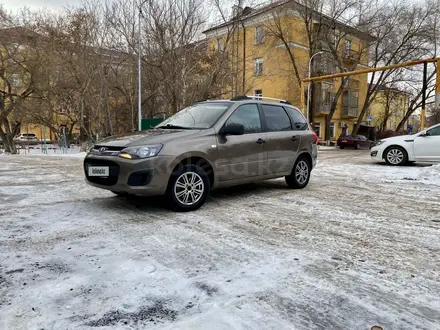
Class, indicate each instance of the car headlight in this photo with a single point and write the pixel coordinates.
(378, 143)
(140, 152)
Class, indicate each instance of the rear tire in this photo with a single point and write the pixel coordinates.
(341, 147)
(357, 146)
(188, 188)
(300, 176)
(396, 156)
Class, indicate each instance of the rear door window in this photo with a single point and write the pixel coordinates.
(277, 119)
(299, 123)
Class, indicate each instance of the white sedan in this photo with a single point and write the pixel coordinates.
(400, 150)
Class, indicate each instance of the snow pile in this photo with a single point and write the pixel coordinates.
(430, 175)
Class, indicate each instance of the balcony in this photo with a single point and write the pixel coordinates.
(350, 56)
(349, 112)
(323, 66)
(350, 105)
(352, 84)
(321, 108)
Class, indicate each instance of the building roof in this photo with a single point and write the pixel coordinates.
(249, 12)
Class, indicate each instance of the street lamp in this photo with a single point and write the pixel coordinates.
(308, 89)
(140, 66)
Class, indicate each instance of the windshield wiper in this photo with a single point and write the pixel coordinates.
(170, 126)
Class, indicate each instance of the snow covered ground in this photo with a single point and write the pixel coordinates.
(359, 247)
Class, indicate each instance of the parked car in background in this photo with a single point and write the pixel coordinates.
(27, 139)
(354, 141)
(207, 145)
(400, 150)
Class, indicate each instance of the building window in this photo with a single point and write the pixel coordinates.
(258, 67)
(220, 45)
(347, 45)
(336, 39)
(317, 129)
(258, 93)
(259, 34)
(327, 93)
(332, 130)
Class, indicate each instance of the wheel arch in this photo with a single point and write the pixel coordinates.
(395, 146)
(196, 159)
(306, 155)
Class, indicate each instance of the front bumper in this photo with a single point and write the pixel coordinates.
(376, 153)
(134, 176)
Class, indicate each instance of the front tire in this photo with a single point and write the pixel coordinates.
(300, 176)
(396, 156)
(188, 188)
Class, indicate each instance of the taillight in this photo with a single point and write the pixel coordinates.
(315, 137)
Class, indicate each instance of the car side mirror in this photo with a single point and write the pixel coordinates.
(424, 134)
(232, 129)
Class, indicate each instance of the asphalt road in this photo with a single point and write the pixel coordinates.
(358, 247)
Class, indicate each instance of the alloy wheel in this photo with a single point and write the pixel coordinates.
(302, 172)
(395, 156)
(189, 188)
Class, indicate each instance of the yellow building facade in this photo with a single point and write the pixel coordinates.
(262, 64)
(388, 109)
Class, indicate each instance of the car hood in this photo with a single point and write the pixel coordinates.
(153, 136)
(399, 138)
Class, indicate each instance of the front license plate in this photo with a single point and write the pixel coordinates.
(99, 171)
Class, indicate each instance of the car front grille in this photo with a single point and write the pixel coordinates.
(114, 170)
(106, 151)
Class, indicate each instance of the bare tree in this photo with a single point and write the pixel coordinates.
(402, 32)
(326, 24)
(20, 75)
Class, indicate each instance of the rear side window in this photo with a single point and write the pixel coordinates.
(276, 118)
(299, 123)
(248, 116)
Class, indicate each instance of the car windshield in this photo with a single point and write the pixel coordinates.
(198, 116)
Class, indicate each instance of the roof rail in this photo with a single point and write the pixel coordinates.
(265, 98)
(257, 97)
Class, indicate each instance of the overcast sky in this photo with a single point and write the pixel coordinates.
(14, 5)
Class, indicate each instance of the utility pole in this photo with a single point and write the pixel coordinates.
(437, 87)
(425, 82)
(140, 14)
(309, 87)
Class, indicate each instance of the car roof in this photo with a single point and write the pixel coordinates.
(253, 99)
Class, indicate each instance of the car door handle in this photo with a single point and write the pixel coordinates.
(294, 138)
(260, 141)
